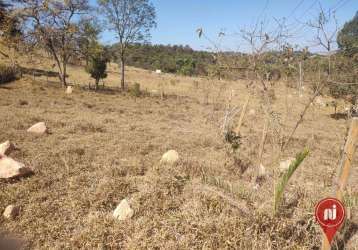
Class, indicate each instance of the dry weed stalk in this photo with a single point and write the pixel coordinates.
(229, 115)
(235, 189)
(262, 142)
(302, 115)
(242, 115)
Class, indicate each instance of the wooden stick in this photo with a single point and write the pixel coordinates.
(262, 143)
(348, 154)
(242, 115)
(345, 167)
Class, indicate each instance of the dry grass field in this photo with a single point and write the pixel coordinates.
(105, 146)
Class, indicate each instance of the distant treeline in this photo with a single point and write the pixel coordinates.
(168, 58)
(186, 61)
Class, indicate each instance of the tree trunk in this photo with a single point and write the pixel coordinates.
(122, 72)
(64, 83)
(97, 81)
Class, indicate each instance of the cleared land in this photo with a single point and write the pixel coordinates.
(105, 146)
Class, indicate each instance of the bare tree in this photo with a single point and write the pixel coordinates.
(89, 30)
(131, 20)
(326, 26)
(53, 24)
(10, 33)
(261, 40)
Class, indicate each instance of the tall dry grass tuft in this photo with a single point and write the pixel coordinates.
(7, 73)
(281, 185)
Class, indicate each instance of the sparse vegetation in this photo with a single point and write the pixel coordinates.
(281, 185)
(135, 90)
(97, 63)
(132, 21)
(198, 151)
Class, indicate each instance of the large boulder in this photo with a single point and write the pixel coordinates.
(123, 211)
(171, 157)
(6, 147)
(10, 169)
(39, 128)
(11, 212)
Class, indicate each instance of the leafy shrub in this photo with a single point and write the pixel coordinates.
(135, 90)
(234, 139)
(341, 91)
(97, 63)
(186, 66)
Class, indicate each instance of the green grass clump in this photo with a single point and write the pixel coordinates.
(135, 90)
(281, 185)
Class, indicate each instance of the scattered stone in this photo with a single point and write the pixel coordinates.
(69, 90)
(6, 148)
(319, 101)
(284, 165)
(252, 112)
(123, 211)
(11, 212)
(154, 92)
(9, 168)
(262, 171)
(171, 157)
(39, 128)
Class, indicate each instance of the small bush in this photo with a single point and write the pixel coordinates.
(234, 139)
(341, 91)
(135, 90)
(7, 73)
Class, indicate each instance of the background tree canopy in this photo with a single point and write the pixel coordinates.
(348, 36)
(170, 59)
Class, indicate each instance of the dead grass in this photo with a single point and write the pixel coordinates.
(105, 146)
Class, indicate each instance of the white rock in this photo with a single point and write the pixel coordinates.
(319, 101)
(11, 212)
(39, 128)
(284, 165)
(252, 112)
(158, 71)
(69, 90)
(9, 168)
(123, 211)
(6, 147)
(262, 171)
(170, 157)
